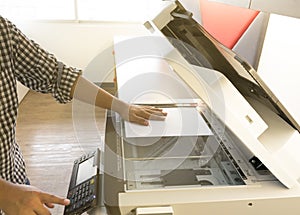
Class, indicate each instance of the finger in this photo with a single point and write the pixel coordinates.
(152, 108)
(154, 115)
(143, 120)
(49, 205)
(157, 112)
(140, 120)
(41, 210)
(49, 198)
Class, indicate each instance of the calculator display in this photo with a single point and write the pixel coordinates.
(86, 170)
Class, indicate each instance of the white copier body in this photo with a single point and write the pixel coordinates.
(247, 161)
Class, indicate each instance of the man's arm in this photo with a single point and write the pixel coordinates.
(39, 70)
(90, 93)
(26, 200)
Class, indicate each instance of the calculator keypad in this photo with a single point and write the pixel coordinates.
(82, 197)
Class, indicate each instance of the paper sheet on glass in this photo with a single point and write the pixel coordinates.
(185, 121)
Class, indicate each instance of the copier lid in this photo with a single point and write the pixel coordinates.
(216, 56)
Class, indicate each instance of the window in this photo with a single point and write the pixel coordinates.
(116, 10)
(38, 9)
(103, 10)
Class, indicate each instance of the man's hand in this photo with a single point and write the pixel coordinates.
(27, 200)
(88, 92)
(141, 114)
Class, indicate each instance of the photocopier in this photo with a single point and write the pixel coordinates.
(227, 146)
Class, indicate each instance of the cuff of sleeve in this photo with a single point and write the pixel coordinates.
(65, 81)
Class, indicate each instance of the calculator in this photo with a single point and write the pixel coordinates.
(85, 184)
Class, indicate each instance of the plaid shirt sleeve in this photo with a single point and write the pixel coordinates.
(39, 70)
(26, 61)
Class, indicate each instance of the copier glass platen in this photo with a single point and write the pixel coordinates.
(179, 161)
(247, 164)
(152, 167)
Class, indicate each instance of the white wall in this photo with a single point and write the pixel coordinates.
(76, 44)
(279, 62)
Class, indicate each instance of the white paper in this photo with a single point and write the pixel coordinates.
(183, 121)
